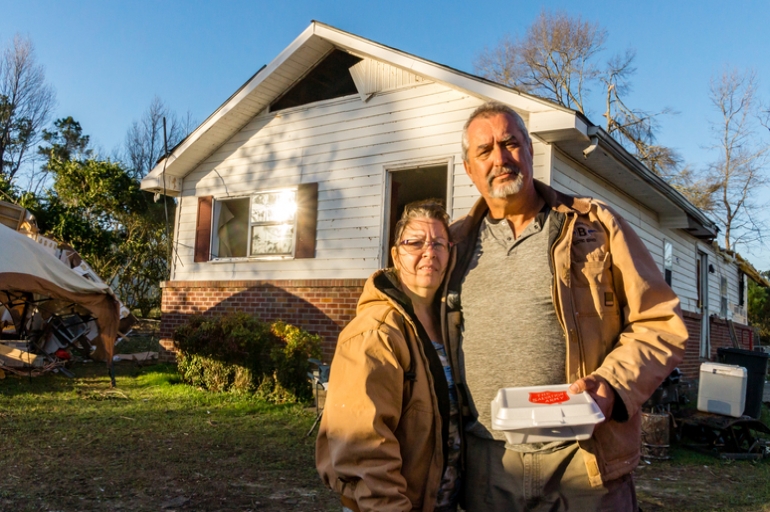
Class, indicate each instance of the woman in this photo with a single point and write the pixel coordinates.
(389, 436)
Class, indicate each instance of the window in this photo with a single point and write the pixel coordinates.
(723, 297)
(273, 215)
(668, 261)
(260, 225)
(267, 224)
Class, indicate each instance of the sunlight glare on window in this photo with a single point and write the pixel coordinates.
(279, 206)
(285, 206)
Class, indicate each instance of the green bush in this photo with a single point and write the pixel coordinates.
(237, 352)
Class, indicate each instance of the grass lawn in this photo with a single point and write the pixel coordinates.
(156, 444)
(151, 444)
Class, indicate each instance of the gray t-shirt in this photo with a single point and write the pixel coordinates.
(511, 336)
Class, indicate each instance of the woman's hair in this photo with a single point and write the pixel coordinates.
(423, 209)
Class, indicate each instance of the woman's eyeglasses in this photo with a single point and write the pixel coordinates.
(416, 245)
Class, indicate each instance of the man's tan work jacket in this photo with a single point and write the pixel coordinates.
(620, 318)
(380, 441)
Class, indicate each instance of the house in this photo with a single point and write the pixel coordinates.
(288, 192)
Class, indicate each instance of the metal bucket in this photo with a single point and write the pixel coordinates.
(656, 435)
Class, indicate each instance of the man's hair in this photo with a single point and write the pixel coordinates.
(490, 109)
(424, 209)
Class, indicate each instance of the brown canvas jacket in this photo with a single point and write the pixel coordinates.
(621, 320)
(379, 444)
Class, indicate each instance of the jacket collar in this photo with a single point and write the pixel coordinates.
(557, 201)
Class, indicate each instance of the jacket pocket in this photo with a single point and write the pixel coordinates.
(416, 439)
(596, 303)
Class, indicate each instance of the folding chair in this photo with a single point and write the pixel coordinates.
(320, 380)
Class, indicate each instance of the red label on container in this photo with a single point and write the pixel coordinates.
(549, 397)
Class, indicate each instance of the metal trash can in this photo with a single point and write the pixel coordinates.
(756, 369)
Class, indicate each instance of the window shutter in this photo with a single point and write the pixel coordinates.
(307, 214)
(203, 230)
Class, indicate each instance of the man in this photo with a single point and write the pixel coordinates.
(551, 289)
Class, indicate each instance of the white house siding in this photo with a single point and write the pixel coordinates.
(574, 179)
(345, 145)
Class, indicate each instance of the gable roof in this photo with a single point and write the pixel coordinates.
(569, 130)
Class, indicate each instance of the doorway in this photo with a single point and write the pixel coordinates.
(407, 185)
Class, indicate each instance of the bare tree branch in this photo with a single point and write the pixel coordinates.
(144, 140)
(26, 101)
(741, 168)
(552, 60)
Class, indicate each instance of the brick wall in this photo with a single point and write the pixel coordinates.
(720, 338)
(322, 306)
(325, 306)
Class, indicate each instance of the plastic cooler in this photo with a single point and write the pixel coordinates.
(722, 389)
(544, 413)
(756, 368)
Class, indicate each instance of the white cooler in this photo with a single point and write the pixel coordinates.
(722, 389)
(544, 413)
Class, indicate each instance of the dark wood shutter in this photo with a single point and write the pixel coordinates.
(203, 229)
(307, 215)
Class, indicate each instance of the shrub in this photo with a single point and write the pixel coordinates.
(237, 352)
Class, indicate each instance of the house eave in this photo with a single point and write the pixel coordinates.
(605, 157)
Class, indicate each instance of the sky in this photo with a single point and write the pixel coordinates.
(108, 59)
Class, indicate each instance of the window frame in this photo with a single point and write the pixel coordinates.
(250, 225)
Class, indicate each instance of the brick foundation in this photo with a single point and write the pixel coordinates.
(720, 338)
(322, 306)
(325, 306)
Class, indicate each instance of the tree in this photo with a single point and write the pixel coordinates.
(144, 141)
(553, 60)
(635, 128)
(557, 59)
(65, 141)
(759, 307)
(26, 101)
(743, 148)
(97, 207)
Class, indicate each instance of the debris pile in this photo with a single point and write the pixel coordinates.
(53, 306)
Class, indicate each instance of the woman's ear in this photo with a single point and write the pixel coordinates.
(394, 256)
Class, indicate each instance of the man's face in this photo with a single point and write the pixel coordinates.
(499, 157)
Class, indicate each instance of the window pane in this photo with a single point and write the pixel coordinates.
(280, 206)
(232, 228)
(272, 240)
(668, 255)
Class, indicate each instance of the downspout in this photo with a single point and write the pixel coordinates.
(594, 142)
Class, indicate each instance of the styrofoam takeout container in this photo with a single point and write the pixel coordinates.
(539, 414)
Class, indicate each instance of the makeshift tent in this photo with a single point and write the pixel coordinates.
(27, 267)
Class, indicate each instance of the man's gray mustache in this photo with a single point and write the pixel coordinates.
(506, 169)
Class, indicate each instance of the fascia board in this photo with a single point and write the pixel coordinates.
(625, 159)
(557, 125)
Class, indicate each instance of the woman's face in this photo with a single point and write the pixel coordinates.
(421, 256)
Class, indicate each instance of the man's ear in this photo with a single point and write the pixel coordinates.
(467, 169)
(531, 149)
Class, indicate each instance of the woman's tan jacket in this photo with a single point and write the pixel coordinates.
(380, 441)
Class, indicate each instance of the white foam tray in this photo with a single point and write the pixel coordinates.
(540, 414)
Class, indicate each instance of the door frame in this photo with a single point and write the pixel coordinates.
(387, 184)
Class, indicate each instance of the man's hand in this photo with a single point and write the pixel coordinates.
(600, 391)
